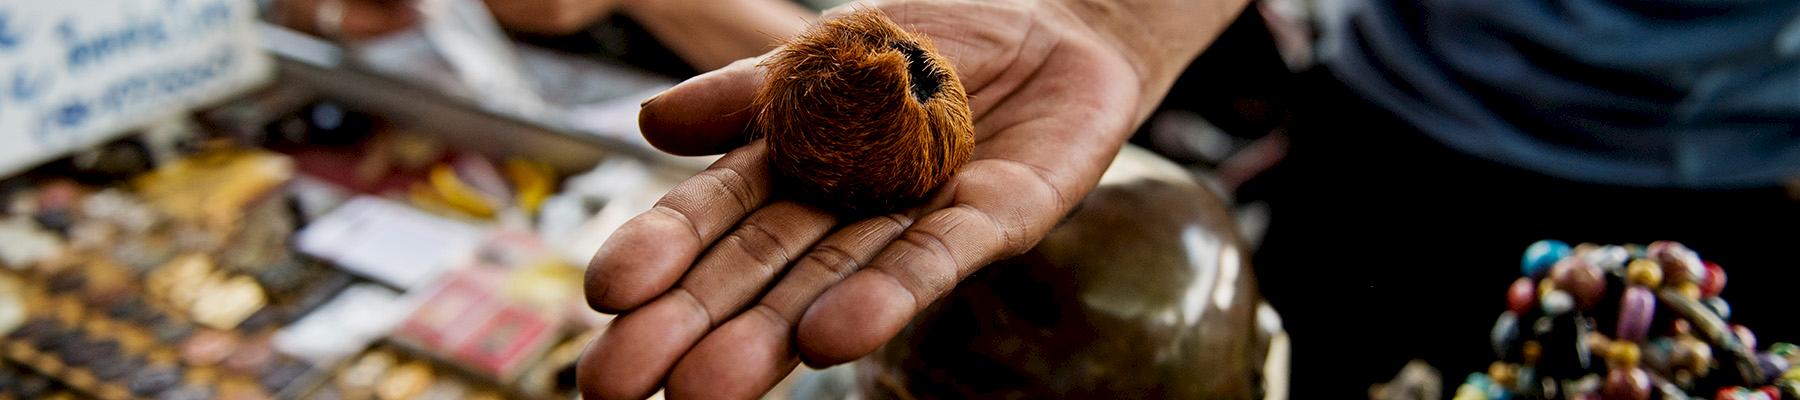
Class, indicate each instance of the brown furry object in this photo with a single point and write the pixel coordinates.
(862, 117)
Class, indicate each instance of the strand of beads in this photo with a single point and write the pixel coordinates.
(1668, 332)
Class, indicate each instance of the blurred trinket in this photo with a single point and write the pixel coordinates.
(1505, 332)
(24, 244)
(1476, 387)
(1644, 272)
(1521, 296)
(1503, 374)
(250, 357)
(223, 303)
(1688, 289)
(1622, 354)
(281, 374)
(404, 382)
(366, 372)
(1713, 282)
(1557, 302)
(208, 347)
(1609, 258)
(1680, 265)
(117, 367)
(1691, 355)
(1581, 280)
(1744, 335)
(1626, 384)
(154, 379)
(1637, 308)
(1744, 393)
(1541, 255)
(1599, 344)
(1773, 366)
(1786, 350)
(1532, 351)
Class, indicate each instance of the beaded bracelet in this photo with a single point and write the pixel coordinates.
(1669, 332)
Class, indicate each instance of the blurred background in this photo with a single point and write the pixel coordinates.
(395, 199)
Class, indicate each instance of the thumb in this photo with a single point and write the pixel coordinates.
(707, 114)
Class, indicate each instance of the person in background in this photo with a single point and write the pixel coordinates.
(1440, 138)
(706, 34)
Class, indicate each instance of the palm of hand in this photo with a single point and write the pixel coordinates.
(725, 288)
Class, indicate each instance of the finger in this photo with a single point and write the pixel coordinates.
(753, 351)
(636, 353)
(647, 254)
(988, 221)
(707, 114)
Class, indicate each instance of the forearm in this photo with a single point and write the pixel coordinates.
(1158, 37)
(712, 33)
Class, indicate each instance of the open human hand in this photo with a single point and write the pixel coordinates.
(724, 287)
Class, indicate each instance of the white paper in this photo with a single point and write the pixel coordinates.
(390, 242)
(344, 326)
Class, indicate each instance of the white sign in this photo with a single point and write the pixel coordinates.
(74, 73)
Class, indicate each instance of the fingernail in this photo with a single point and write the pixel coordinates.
(658, 95)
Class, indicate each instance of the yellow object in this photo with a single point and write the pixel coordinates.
(214, 188)
(1688, 290)
(546, 284)
(459, 195)
(1469, 392)
(1644, 272)
(532, 182)
(404, 382)
(1532, 351)
(1503, 374)
(1623, 353)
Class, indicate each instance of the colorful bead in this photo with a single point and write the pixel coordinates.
(1679, 263)
(1557, 302)
(1636, 309)
(1744, 335)
(1744, 393)
(1786, 350)
(1622, 354)
(1532, 351)
(1610, 258)
(1626, 384)
(1598, 343)
(1585, 282)
(1521, 296)
(1713, 282)
(1541, 255)
(1691, 355)
(1644, 272)
(1469, 392)
(1506, 330)
(1526, 379)
(1688, 290)
(1773, 366)
(1503, 374)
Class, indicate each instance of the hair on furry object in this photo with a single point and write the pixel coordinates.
(862, 117)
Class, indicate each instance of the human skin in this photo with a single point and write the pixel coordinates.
(706, 33)
(723, 287)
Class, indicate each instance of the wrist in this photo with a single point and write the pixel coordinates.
(1158, 38)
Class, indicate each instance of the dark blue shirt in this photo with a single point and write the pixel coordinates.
(1671, 93)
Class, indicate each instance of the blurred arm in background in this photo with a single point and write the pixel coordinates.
(706, 33)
